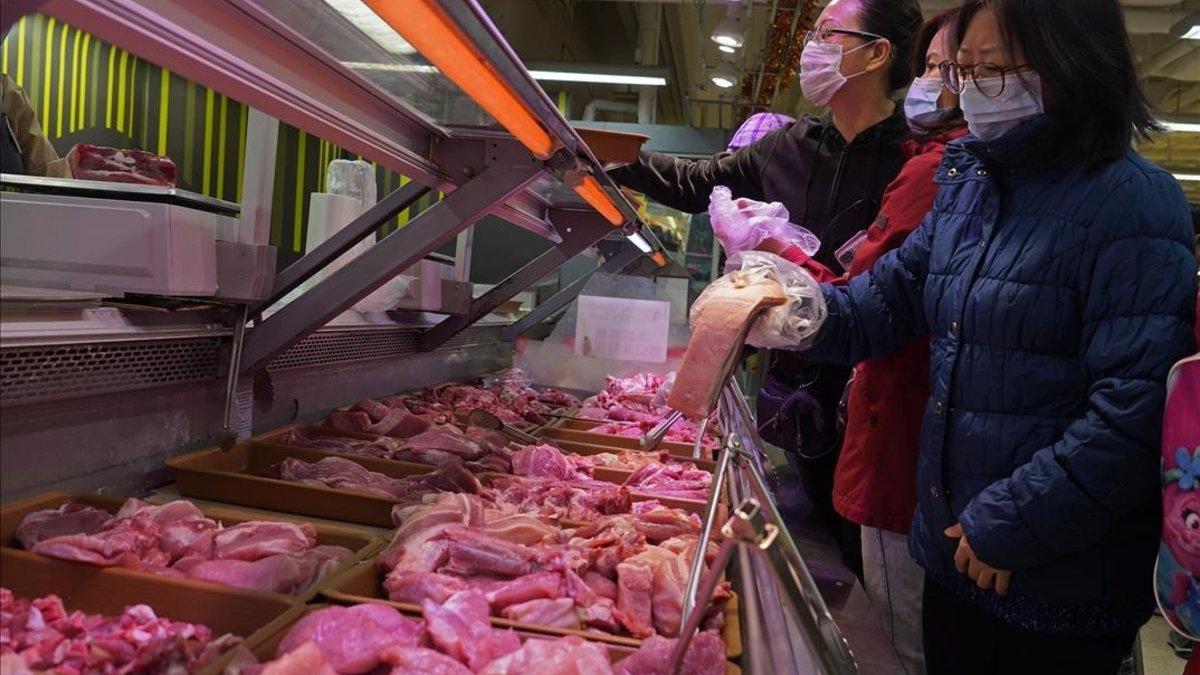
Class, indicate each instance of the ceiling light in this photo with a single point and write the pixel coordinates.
(727, 49)
(640, 242)
(723, 76)
(367, 21)
(1187, 28)
(598, 78)
(1187, 177)
(1181, 127)
(729, 33)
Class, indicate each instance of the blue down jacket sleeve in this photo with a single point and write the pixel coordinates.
(1137, 286)
(881, 310)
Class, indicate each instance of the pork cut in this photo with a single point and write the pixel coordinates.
(705, 655)
(566, 656)
(460, 627)
(70, 518)
(717, 337)
(95, 162)
(351, 639)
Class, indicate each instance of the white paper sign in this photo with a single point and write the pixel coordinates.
(622, 329)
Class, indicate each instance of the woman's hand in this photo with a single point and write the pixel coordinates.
(984, 575)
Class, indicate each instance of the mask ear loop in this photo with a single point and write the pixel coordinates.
(863, 45)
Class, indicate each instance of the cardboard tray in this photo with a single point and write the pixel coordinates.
(364, 583)
(612, 148)
(232, 477)
(266, 648)
(361, 543)
(252, 615)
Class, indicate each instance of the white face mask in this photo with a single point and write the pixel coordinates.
(821, 71)
(990, 118)
(921, 105)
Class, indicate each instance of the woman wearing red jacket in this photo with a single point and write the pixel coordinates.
(875, 479)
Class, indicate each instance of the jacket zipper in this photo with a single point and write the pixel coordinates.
(837, 181)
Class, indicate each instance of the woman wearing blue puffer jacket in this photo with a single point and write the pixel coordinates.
(1056, 276)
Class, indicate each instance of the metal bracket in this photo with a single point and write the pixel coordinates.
(624, 254)
(579, 230)
(343, 240)
(395, 253)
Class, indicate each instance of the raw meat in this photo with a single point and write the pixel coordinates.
(178, 539)
(472, 553)
(70, 518)
(343, 474)
(349, 420)
(421, 661)
(43, 635)
(256, 539)
(306, 659)
(705, 656)
(460, 627)
(352, 638)
(635, 597)
(636, 404)
(683, 431)
(416, 587)
(537, 586)
(384, 448)
(559, 613)
(717, 337)
(672, 479)
(547, 461)
(93, 162)
(566, 656)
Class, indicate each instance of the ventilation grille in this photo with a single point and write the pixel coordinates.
(62, 371)
(36, 373)
(329, 348)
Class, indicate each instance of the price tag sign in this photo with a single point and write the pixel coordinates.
(622, 329)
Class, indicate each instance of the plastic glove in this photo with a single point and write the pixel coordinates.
(788, 326)
(742, 224)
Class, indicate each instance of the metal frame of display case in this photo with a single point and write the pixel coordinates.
(240, 48)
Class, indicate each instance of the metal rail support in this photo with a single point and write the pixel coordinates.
(710, 517)
(344, 239)
(579, 230)
(395, 253)
(555, 303)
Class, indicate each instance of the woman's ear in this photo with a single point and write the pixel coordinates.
(879, 55)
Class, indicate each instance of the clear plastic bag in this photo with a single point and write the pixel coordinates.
(788, 326)
(742, 224)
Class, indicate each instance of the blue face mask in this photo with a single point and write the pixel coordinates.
(991, 118)
(921, 105)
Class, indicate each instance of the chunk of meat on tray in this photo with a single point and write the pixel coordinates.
(421, 661)
(43, 635)
(460, 627)
(70, 518)
(705, 655)
(556, 613)
(343, 474)
(566, 656)
(256, 539)
(95, 162)
(547, 461)
(717, 338)
(351, 639)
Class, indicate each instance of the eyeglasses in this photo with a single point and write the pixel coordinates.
(989, 79)
(823, 33)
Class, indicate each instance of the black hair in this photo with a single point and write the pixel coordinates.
(898, 22)
(1081, 51)
(925, 36)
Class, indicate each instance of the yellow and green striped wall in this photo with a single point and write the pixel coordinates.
(86, 90)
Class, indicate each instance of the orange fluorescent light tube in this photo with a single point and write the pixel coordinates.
(423, 25)
(593, 194)
(659, 258)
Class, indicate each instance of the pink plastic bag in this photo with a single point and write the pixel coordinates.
(742, 224)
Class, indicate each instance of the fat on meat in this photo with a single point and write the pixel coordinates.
(547, 461)
(96, 162)
(306, 659)
(70, 518)
(472, 552)
(635, 597)
(416, 587)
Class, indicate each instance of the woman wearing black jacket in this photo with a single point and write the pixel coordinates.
(830, 172)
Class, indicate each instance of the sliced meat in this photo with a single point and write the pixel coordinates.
(566, 656)
(421, 661)
(352, 638)
(705, 656)
(460, 627)
(717, 338)
(558, 613)
(70, 518)
(258, 539)
(416, 587)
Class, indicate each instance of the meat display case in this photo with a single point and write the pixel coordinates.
(97, 397)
